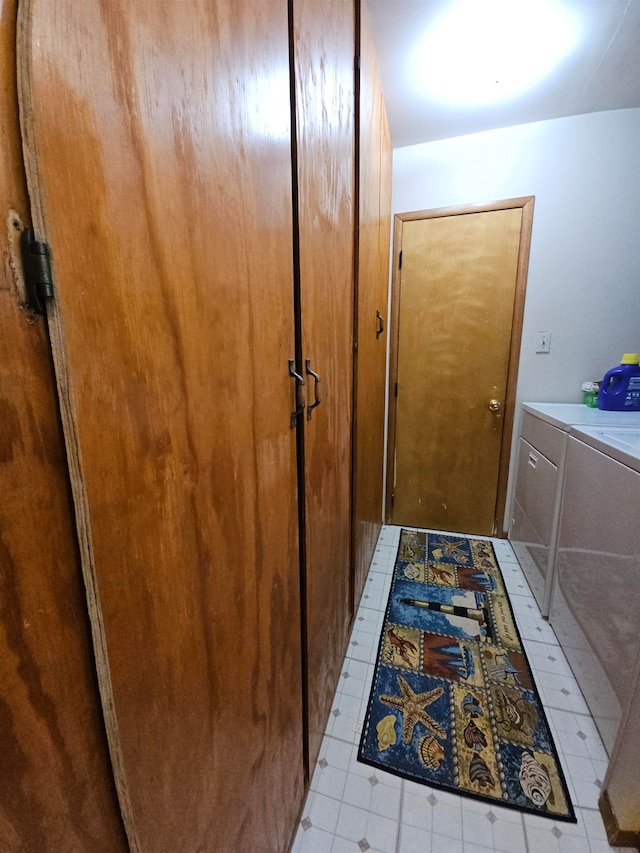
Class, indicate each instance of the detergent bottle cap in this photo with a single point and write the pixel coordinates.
(630, 358)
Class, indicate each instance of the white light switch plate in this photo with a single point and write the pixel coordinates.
(543, 341)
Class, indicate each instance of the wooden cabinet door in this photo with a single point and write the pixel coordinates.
(372, 297)
(56, 786)
(159, 167)
(324, 71)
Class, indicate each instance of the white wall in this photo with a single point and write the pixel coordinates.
(584, 268)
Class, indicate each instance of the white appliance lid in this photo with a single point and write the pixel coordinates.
(621, 443)
(564, 415)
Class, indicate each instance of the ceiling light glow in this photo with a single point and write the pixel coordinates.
(485, 51)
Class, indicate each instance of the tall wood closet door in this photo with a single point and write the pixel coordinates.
(374, 232)
(159, 167)
(56, 786)
(324, 70)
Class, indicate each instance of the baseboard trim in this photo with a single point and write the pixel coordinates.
(617, 837)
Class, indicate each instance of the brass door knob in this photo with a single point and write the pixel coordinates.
(494, 405)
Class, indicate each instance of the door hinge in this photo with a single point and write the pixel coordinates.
(36, 266)
(400, 260)
(396, 389)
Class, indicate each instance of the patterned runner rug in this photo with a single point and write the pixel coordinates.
(453, 702)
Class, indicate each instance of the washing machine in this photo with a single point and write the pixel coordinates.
(595, 604)
(540, 462)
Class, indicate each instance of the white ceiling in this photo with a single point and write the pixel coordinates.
(603, 72)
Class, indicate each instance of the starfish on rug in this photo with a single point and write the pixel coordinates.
(413, 710)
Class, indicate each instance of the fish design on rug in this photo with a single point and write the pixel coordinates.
(471, 706)
(412, 706)
(534, 779)
(474, 737)
(479, 772)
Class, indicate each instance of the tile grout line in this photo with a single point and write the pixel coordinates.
(400, 821)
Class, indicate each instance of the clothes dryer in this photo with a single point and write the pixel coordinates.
(595, 606)
(535, 506)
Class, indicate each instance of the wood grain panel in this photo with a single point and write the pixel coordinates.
(56, 786)
(324, 68)
(456, 307)
(158, 144)
(372, 295)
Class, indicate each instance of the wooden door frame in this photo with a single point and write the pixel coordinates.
(526, 203)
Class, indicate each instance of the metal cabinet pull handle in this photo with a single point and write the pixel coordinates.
(316, 379)
(299, 383)
(380, 324)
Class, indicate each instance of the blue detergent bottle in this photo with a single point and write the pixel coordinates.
(620, 388)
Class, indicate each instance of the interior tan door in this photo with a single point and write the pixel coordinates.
(458, 284)
(324, 50)
(159, 167)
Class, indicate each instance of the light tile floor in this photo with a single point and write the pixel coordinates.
(352, 807)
